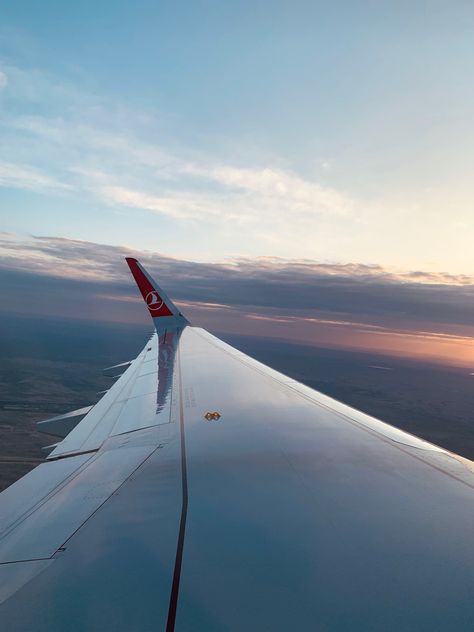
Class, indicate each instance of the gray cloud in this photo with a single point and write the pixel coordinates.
(51, 269)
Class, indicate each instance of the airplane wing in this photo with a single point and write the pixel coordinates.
(208, 492)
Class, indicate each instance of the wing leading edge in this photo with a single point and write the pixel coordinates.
(206, 491)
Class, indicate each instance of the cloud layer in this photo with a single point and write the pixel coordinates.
(88, 148)
(353, 306)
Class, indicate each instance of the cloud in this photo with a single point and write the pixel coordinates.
(24, 177)
(266, 198)
(350, 306)
(179, 205)
(266, 282)
(3, 80)
(220, 195)
(282, 189)
(87, 145)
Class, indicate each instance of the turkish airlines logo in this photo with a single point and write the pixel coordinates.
(153, 301)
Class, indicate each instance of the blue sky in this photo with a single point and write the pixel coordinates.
(334, 132)
(248, 152)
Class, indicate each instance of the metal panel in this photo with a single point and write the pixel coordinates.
(50, 523)
(301, 519)
(19, 499)
(117, 569)
(343, 410)
(15, 576)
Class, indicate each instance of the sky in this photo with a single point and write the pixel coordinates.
(312, 148)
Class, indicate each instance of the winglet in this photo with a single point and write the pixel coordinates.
(161, 308)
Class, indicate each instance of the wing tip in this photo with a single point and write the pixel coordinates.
(157, 301)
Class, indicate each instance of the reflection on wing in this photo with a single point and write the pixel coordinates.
(167, 347)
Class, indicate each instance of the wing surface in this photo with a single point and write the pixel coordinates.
(208, 492)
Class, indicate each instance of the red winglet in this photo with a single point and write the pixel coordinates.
(151, 295)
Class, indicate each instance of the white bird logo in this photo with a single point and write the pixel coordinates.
(153, 301)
